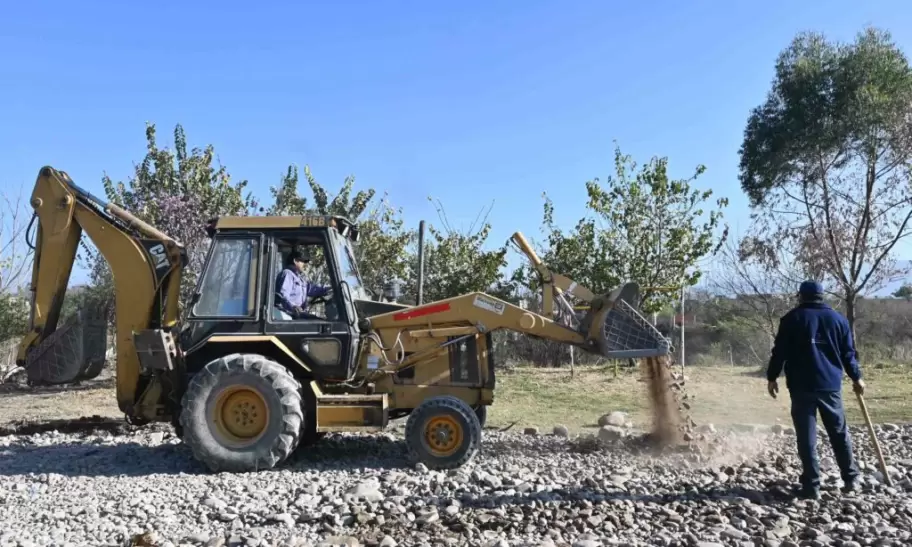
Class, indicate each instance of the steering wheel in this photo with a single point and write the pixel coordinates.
(325, 299)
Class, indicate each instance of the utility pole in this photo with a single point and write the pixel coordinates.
(419, 298)
(683, 321)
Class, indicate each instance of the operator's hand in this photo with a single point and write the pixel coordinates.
(858, 387)
(773, 388)
(298, 310)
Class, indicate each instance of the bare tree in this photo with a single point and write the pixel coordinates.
(15, 254)
(760, 290)
(15, 261)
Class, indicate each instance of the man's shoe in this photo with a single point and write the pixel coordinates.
(808, 493)
(850, 486)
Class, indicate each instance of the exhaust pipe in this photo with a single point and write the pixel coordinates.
(419, 300)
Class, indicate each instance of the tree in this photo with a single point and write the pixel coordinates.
(456, 261)
(15, 262)
(641, 226)
(904, 292)
(178, 193)
(16, 238)
(759, 293)
(825, 160)
(382, 250)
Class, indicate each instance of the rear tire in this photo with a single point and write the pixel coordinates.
(242, 413)
(443, 433)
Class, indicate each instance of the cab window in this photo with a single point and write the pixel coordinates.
(229, 284)
(303, 284)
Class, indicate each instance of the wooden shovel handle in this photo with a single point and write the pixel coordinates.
(880, 458)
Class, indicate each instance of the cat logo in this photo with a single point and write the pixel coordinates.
(159, 257)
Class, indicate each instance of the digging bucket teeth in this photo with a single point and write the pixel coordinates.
(74, 351)
(619, 330)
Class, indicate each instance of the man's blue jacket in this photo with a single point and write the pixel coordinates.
(815, 345)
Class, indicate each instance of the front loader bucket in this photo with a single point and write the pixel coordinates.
(73, 352)
(619, 330)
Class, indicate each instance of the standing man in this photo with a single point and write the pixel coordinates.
(815, 345)
(292, 290)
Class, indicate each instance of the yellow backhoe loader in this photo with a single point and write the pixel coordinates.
(244, 381)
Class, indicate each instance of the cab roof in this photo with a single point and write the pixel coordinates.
(231, 223)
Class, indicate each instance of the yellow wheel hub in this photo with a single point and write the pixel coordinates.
(443, 435)
(241, 414)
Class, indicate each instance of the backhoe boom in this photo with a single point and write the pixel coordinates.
(146, 265)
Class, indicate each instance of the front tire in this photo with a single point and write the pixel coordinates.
(443, 433)
(242, 413)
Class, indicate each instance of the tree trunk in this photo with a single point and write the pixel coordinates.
(850, 302)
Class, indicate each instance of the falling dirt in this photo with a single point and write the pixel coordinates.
(669, 426)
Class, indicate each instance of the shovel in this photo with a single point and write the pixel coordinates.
(880, 458)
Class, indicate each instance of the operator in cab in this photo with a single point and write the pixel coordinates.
(292, 290)
(815, 346)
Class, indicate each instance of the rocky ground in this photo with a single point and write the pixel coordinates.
(117, 486)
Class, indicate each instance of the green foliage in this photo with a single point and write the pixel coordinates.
(641, 226)
(904, 292)
(825, 160)
(15, 264)
(13, 315)
(381, 252)
(457, 262)
(179, 173)
(830, 104)
(178, 192)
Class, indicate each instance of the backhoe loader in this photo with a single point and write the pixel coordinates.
(244, 382)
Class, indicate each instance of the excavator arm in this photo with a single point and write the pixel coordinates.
(146, 265)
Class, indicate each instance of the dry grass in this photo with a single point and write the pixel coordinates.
(546, 397)
(719, 395)
(94, 397)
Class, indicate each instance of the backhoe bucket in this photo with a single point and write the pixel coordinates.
(73, 352)
(619, 330)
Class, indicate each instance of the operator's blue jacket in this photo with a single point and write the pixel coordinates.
(815, 345)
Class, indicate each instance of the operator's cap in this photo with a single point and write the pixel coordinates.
(299, 255)
(810, 288)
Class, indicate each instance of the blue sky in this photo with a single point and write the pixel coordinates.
(468, 102)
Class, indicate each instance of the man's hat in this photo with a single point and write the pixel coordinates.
(810, 288)
(299, 255)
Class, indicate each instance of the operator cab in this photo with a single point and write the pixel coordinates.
(252, 284)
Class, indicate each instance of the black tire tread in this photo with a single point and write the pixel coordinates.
(281, 381)
(413, 432)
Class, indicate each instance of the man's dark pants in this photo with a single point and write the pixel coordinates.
(805, 406)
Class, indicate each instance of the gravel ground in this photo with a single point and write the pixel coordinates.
(105, 488)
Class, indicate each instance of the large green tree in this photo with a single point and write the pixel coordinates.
(826, 160)
(642, 226)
